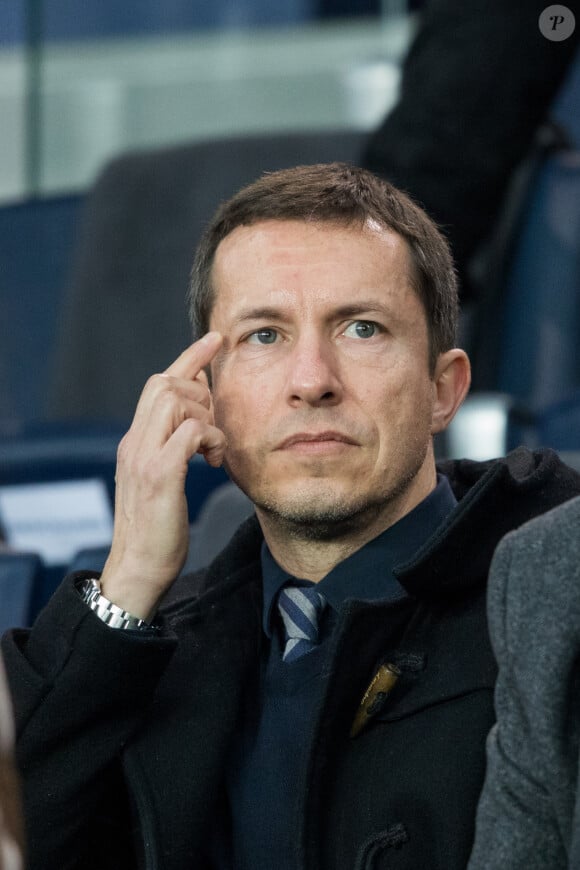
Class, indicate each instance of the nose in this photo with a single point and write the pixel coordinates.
(313, 375)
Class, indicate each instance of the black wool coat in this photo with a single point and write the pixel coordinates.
(123, 738)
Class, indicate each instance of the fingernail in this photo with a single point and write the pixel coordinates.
(211, 337)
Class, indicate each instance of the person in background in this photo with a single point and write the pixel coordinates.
(477, 83)
(529, 813)
(320, 695)
(11, 826)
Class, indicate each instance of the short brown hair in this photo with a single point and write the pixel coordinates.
(343, 194)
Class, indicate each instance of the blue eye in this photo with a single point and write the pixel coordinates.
(361, 329)
(263, 336)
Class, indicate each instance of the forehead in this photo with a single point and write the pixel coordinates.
(272, 236)
(279, 255)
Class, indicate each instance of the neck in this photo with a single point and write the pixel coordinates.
(311, 557)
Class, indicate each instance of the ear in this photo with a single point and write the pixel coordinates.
(451, 382)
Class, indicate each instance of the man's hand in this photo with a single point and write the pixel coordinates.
(173, 421)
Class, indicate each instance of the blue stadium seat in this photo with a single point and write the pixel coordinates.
(558, 424)
(46, 453)
(110, 18)
(36, 240)
(225, 509)
(20, 574)
(89, 559)
(539, 350)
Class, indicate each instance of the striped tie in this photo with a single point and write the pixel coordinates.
(300, 608)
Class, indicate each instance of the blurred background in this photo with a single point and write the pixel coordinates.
(123, 123)
(80, 82)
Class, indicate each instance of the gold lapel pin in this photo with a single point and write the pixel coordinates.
(374, 698)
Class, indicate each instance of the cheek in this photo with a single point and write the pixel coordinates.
(403, 406)
(222, 410)
(417, 412)
(382, 389)
(242, 410)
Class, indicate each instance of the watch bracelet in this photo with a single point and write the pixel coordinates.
(109, 613)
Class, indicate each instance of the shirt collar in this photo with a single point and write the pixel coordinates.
(367, 574)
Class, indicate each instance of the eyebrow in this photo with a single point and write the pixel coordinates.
(266, 312)
(269, 312)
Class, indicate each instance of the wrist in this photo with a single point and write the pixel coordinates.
(107, 611)
(130, 590)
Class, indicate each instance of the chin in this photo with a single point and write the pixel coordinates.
(313, 514)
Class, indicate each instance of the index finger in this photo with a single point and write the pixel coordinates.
(196, 357)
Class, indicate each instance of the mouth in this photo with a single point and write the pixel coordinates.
(317, 442)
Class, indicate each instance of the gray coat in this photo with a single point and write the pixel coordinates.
(529, 812)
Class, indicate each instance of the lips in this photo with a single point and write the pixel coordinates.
(314, 437)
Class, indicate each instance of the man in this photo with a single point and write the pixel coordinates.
(320, 696)
(529, 812)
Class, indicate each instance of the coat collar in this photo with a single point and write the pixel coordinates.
(494, 497)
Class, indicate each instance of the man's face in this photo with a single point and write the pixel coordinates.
(322, 387)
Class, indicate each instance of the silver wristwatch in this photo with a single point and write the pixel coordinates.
(111, 614)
